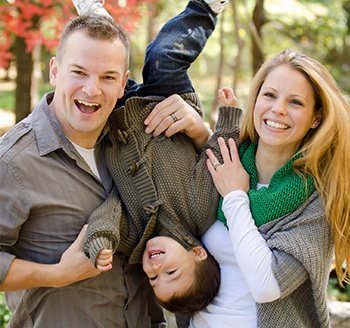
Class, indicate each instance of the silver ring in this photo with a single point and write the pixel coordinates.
(216, 164)
(173, 116)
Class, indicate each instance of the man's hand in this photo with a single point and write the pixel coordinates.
(73, 266)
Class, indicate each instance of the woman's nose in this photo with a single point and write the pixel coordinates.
(279, 108)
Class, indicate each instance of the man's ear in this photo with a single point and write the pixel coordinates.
(53, 71)
(125, 79)
(200, 253)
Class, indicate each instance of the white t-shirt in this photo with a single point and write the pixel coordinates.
(245, 263)
(89, 157)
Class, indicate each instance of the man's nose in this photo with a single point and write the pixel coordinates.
(92, 87)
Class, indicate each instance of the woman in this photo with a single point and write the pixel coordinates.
(285, 195)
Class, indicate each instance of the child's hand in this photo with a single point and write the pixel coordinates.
(227, 97)
(104, 260)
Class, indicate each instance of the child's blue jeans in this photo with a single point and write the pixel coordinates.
(171, 53)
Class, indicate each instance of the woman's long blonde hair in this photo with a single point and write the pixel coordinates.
(326, 149)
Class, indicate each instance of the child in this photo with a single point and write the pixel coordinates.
(161, 185)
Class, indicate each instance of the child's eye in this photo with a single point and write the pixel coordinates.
(171, 272)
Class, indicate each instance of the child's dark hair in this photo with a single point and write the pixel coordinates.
(203, 290)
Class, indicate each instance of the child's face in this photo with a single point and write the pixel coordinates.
(169, 267)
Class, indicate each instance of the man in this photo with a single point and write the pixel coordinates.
(52, 176)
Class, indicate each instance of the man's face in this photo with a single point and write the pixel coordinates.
(89, 77)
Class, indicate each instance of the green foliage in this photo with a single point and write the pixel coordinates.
(7, 100)
(335, 291)
(5, 314)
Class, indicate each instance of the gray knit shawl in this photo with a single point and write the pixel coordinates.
(302, 248)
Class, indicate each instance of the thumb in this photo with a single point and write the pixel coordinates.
(80, 239)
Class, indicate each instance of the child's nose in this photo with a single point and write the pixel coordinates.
(156, 266)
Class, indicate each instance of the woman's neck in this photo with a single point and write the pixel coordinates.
(267, 162)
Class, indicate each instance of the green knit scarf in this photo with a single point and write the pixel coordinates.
(284, 194)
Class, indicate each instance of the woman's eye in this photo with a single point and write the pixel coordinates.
(153, 278)
(297, 102)
(269, 94)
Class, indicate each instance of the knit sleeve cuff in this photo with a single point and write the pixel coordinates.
(228, 117)
(92, 247)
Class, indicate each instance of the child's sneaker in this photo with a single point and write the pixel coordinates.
(217, 6)
(85, 7)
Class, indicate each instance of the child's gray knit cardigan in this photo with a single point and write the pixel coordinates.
(158, 180)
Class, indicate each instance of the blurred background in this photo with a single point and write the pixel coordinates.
(248, 32)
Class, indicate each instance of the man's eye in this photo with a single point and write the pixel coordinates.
(78, 72)
(112, 78)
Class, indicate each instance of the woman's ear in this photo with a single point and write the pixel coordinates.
(200, 253)
(317, 120)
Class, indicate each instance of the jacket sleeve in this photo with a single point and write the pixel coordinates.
(107, 228)
(205, 195)
(14, 209)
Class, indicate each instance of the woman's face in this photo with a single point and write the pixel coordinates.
(284, 110)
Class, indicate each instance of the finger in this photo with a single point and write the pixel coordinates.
(160, 112)
(80, 239)
(104, 267)
(211, 156)
(210, 167)
(105, 254)
(233, 150)
(224, 150)
(222, 97)
(104, 262)
(158, 108)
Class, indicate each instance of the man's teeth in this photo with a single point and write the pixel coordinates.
(155, 254)
(86, 103)
(276, 125)
(86, 107)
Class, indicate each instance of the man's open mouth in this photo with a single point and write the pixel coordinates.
(86, 107)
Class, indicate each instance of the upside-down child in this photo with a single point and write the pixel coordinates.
(163, 197)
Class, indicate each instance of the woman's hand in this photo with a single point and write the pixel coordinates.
(174, 115)
(230, 175)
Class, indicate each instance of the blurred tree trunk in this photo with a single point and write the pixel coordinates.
(214, 106)
(23, 79)
(154, 9)
(259, 20)
(240, 43)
